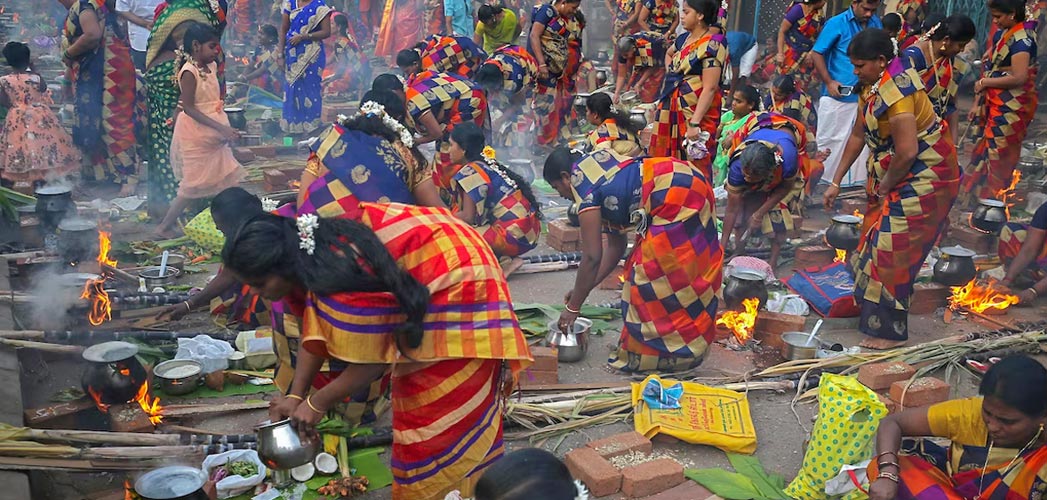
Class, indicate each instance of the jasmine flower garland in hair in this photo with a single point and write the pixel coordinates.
(307, 225)
(371, 108)
(269, 204)
(488, 154)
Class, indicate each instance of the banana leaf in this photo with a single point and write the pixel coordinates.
(750, 481)
(535, 318)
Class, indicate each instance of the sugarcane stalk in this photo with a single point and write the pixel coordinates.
(96, 437)
(42, 346)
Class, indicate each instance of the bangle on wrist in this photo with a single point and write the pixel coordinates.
(567, 307)
(1034, 292)
(834, 184)
(295, 396)
(881, 455)
(188, 306)
(309, 403)
(881, 465)
(888, 476)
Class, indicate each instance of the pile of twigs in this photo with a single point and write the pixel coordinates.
(548, 416)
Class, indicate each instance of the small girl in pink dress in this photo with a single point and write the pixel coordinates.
(34, 148)
(201, 155)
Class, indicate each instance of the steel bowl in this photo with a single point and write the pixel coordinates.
(281, 447)
(570, 346)
(795, 346)
(174, 260)
(177, 482)
(180, 384)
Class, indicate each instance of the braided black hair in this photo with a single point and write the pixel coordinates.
(472, 140)
(348, 257)
(600, 103)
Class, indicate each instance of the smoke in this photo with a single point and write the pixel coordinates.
(56, 295)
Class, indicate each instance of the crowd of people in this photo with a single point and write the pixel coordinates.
(388, 254)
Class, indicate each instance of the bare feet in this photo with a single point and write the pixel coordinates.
(510, 266)
(878, 344)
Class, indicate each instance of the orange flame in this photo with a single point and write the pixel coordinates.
(128, 490)
(621, 278)
(102, 407)
(859, 215)
(979, 298)
(841, 255)
(101, 307)
(150, 405)
(741, 323)
(104, 245)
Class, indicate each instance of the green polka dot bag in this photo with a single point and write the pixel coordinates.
(848, 415)
(204, 233)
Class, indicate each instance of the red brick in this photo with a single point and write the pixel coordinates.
(243, 155)
(688, 490)
(594, 471)
(266, 151)
(531, 377)
(276, 177)
(613, 281)
(797, 227)
(928, 297)
(545, 359)
(129, 418)
(557, 244)
(880, 376)
(651, 477)
(621, 444)
(814, 256)
(971, 238)
(923, 391)
(771, 325)
(849, 205)
(564, 231)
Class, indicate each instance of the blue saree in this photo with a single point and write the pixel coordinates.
(303, 90)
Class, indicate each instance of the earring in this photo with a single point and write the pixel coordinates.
(943, 47)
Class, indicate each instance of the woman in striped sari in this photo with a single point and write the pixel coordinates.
(98, 58)
(690, 104)
(548, 45)
(1006, 103)
(614, 128)
(800, 28)
(490, 197)
(997, 443)
(933, 56)
(408, 290)
(163, 93)
(437, 102)
(674, 271)
(305, 25)
(913, 181)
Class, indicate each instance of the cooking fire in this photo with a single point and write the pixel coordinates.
(741, 323)
(979, 298)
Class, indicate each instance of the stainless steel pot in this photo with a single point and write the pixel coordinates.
(844, 233)
(153, 278)
(955, 267)
(281, 447)
(175, 383)
(639, 117)
(795, 346)
(570, 346)
(77, 240)
(580, 101)
(176, 482)
(989, 216)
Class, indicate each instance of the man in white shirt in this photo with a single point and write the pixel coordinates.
(139, 17)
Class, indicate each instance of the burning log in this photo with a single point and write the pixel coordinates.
(193, 410)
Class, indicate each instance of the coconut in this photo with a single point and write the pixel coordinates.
(326, 463)
(303, 473)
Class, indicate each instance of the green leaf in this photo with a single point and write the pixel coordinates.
(769, 485)
(726, 484)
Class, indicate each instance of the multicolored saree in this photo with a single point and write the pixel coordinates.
(303, 90)
(674, 271)
(610, 135)
(663, 14)
(448, 394)
(504, 217)
(908, 221)
(550, 93)
(451, 100)
(649, 58)
(458, 55)
(778, 219)
(519, 71)
(798, 106)
(938, 80)
(799, 40)
(683, 87)
(104, 87)
(1007, 114)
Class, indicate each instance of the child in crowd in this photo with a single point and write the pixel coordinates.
(201, 156)
(744, 102)
(34, 147)
(267, 71)
(527, 474)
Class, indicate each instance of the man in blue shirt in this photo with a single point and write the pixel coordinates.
(459, 17)
(835, 70)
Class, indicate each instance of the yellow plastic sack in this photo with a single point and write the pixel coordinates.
(716, 417)
(204, 233)
(848, 415)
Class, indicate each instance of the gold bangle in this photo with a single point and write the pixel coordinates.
(888, 476)
(572, 311)
(295, 396)
(311, 407)
(834, 184)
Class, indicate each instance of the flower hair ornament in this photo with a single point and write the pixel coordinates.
(778, 158)
(894, 44)
(269, 204)
(372, 109)
(489, 158)
(307, 225)
(930, 32)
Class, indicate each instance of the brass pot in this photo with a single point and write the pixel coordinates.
(989, 216)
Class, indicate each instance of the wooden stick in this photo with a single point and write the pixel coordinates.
(42, 346)
(121, 274)
(101, 437)
(994, 321)
(191, 410)
(65, 464)
(190, 430)
(141, 452)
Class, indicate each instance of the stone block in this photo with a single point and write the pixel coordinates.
(564, 231)
(923, 391)
(243, 155)
(651, 477)
(928, 297)
(545, 358)
(621, 444)
(814, 256)
(880, 376)
(600, 476)
(972, 239)
(129, 418)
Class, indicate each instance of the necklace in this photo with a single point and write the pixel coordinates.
(1005, 470)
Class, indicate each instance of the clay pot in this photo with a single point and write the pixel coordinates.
(955, 267)
(114, 372)
(989, 216)
(844, 233)
(744, 284)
